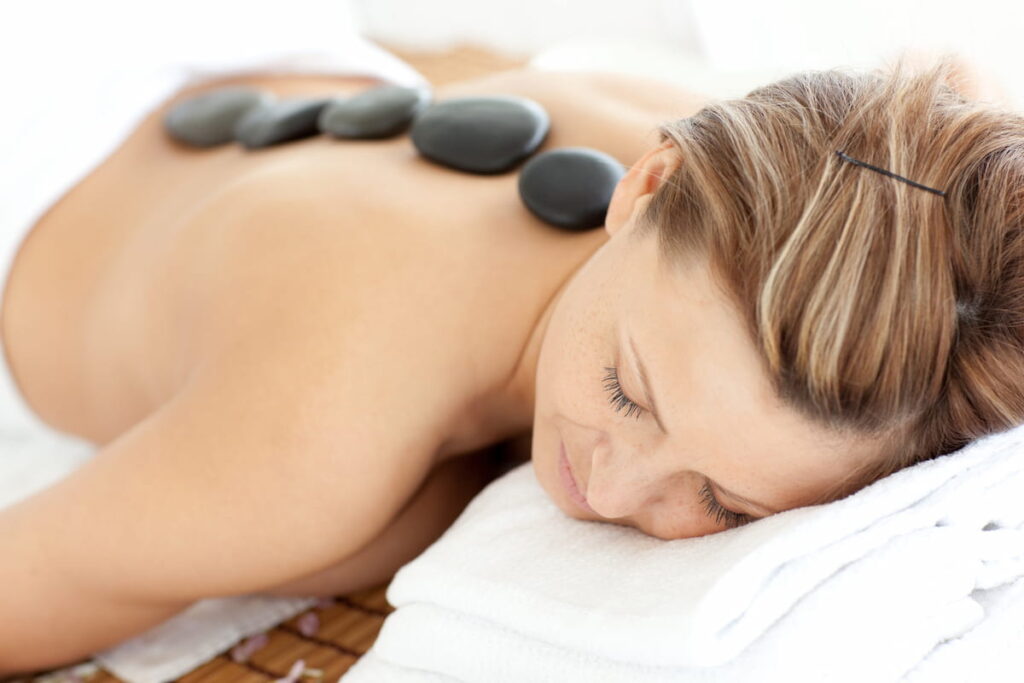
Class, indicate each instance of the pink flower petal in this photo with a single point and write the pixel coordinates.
(245, 649)
(294, 673)
(309, 624)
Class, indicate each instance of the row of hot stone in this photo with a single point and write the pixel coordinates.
(569, 187)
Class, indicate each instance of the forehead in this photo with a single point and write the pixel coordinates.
(711, 390)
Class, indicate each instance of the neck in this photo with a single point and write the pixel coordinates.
(510, 410)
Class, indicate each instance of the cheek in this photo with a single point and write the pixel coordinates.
(577, 346)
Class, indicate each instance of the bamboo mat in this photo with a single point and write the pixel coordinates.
(346, 630)
(349, 627)
(338, 636)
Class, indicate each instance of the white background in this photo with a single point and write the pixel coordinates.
(716, 46)
(741, 42)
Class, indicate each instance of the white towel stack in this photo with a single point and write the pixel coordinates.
(916, 576)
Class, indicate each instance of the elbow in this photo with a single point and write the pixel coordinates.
(20, 668)
(24, 660)
(56, 636)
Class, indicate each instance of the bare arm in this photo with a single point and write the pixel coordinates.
(428, 514)
(255, 474)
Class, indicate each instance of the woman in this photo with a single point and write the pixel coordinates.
(299, 356)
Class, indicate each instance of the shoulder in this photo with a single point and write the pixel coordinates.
(615, 112)
(279, 456)
(653, 97)
(287, 439)
(603, 83)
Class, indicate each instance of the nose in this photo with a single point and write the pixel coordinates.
(622, 481)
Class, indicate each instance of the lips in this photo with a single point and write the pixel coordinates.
(569, 482)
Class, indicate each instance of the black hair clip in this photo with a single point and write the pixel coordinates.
(888, 173)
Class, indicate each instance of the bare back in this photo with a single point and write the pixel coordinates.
(296, 335)
(169, 254)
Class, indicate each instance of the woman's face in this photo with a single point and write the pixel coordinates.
(718, 419)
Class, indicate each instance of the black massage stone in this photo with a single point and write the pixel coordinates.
(209, 119)
(280, 121)
(381, 112)
(570, 187)
(482, 135)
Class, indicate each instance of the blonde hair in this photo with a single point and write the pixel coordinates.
(878, 309)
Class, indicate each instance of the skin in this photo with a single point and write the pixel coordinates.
(132, 300)
(213, 318)
(722, 419)
(725, 427)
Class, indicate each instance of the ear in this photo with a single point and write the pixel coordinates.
(637, 187)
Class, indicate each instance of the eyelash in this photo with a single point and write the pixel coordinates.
(712, 506)
(618, 398)
(714, 509)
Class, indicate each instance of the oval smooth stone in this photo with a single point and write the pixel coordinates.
(280, 121)
(380, 112)
(570, 187)
(484, 135)
(209, 119)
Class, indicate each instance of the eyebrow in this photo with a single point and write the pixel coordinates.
(649, 395)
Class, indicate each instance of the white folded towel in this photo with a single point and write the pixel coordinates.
(870, 587)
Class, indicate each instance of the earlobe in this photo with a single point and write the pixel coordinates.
(637, 187)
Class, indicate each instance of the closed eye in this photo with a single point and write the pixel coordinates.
(713, 508)
(618, 396)
(721, 514)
